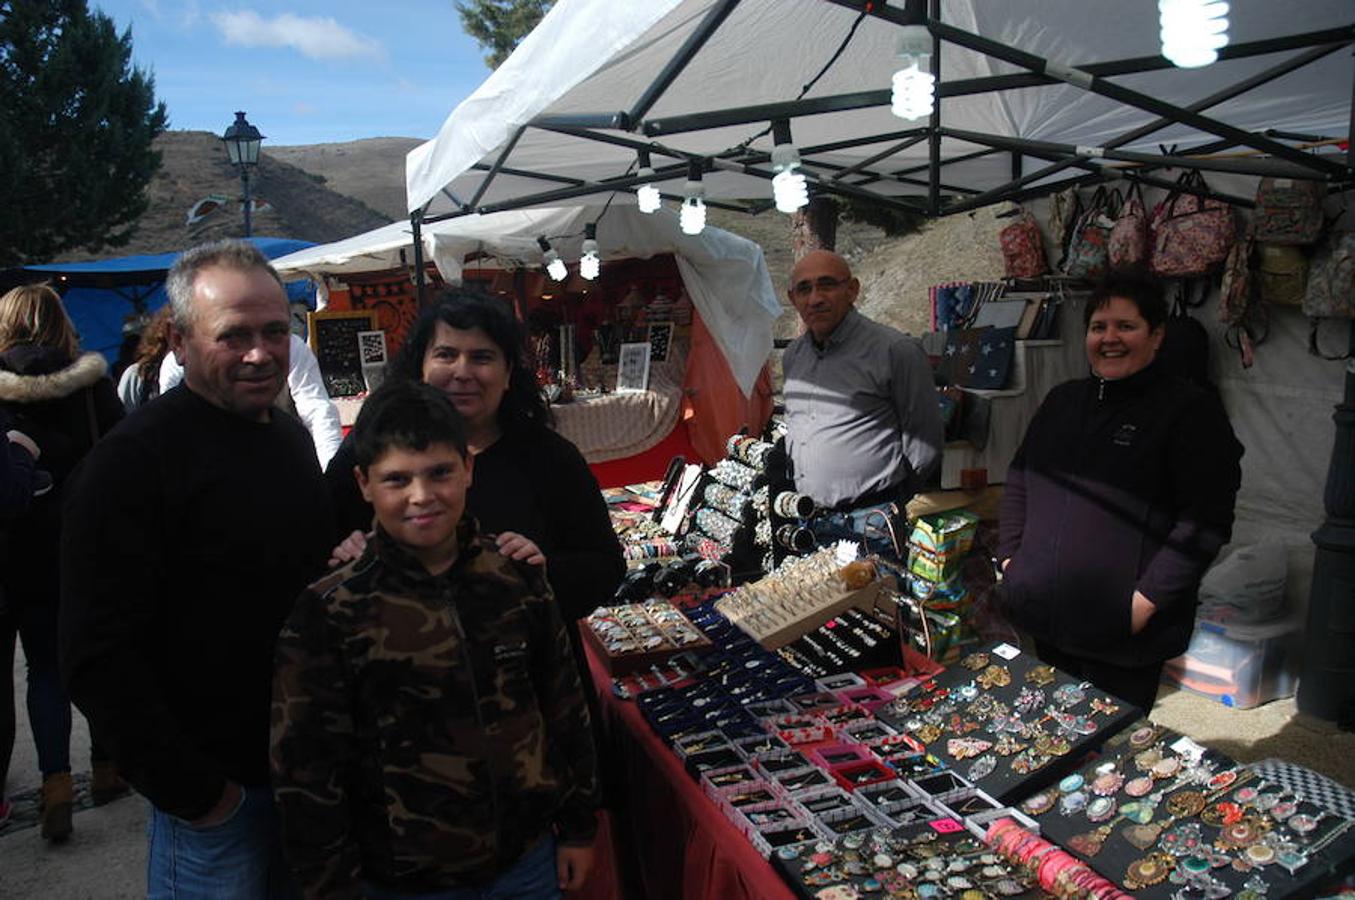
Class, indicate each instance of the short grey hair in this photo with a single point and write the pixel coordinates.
(231, 253)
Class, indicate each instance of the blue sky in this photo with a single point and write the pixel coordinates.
(305, 71)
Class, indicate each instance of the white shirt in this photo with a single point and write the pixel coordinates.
(307, 388)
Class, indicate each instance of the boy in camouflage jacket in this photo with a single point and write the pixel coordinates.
(429, 730)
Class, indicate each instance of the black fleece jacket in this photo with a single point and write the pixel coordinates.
(1118, 486)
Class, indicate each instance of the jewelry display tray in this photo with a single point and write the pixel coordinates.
(625, 663)
(1334, 861)
(1003, 782)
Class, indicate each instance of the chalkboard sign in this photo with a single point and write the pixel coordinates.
(334, 338)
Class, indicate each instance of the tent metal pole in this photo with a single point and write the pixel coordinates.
(498, 164)
(934, 126)
(964, 157)
(416, 225)
(862, 141)
(523, 173)
(764, 112)
(690, 47)
(1238, 89)
(872, 160)
(1087, 82)
(615, 120)
(1263, 166)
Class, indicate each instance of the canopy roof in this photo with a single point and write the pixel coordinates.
(1029, 95)
(146, 268)
(725, 275)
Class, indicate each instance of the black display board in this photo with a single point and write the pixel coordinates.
(951, 709)
(1157, 818)
(334, 338)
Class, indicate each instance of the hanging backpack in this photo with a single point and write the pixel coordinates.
(1088, 255)
(1288, 211)
(1130, 241)
(1185, 344)
(1022, 247)
(1192, 234)
(1281, 273)
(1330, 293)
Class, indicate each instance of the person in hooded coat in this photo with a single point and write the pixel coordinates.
(63, 399)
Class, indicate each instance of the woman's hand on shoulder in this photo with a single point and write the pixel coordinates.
(349, 549)
(520, 547)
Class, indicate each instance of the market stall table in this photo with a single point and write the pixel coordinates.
(686, 848)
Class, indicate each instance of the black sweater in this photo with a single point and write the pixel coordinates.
(1118, 486)
(189, 533)
(536, 484)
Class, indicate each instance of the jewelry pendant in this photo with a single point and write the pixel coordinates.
(1139, 787)
(982, 768)
(1150, 870)
(1068, 695)
(1185, 804)
(1107, 784)
(1071, 804)
(1104, 706)
(994, 676)
(1139, 811)
(1100, 809)
(1088, 844)
(1142, 837)
(1142, 736)
(1040, 676)
(1039, 804)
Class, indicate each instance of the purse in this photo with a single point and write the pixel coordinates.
(1191, 234)
(1130, 241)
(1023, 253)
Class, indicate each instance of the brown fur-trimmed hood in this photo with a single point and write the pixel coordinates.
(41, 388)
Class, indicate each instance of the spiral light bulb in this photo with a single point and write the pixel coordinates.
(589, 264)
(1193, 31)
(648, 195)
(555, 266)
(914, 95)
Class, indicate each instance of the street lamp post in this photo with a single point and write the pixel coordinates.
(242, 142)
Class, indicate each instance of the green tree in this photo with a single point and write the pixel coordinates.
(498, 25)
(76, 125)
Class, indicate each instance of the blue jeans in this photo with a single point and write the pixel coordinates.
(34, 619)
(865, 524)
(239, 859)
(532, 877)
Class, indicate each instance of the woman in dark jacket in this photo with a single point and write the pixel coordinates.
(64, 401)
(1116, 503)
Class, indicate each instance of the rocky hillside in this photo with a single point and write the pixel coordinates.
(194, 166)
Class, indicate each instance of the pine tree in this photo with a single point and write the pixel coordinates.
(498, 25)
(76, 125)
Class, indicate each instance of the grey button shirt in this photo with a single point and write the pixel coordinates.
(861, 413)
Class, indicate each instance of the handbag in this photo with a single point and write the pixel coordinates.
(1023, 248)
(1281, 273)
(1130, 241)
(1088, 253)
(1191, 234)
(1288, 211)
(979, 358)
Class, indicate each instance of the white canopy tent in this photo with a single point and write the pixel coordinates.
(725, 275)
(1072, 83)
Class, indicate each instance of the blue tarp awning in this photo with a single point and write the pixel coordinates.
(101, 294)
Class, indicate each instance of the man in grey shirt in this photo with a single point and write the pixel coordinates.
(864, 429)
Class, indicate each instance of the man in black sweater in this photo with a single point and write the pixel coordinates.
(191, 528)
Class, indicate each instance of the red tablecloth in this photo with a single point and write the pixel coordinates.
(686, 848)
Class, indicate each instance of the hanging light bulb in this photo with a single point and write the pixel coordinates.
(1193, 31)
(555, 266)
(788, 186)
(647, 194)
(914, 84)
(589, 264)
(692, 218)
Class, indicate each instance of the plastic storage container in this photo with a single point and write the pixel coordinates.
(1240, 665)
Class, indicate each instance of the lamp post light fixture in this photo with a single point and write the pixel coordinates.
(242, 142)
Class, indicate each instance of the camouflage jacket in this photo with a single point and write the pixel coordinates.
(427, 729)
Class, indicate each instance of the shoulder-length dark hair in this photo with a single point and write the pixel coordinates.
(522, 407)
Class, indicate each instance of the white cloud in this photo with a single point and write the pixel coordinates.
(316, 37)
